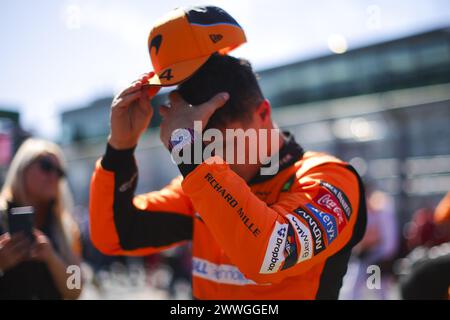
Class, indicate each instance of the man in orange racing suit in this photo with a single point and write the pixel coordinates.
(287, 235)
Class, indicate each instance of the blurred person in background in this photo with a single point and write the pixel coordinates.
(420, 230)
(429, 227)
(426, 270)
(426, 274)
(378, 247)
(38, 270)
(442, 218)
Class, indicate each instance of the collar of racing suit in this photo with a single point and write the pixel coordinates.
(289, 153)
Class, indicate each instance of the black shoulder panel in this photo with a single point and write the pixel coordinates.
(336, 266)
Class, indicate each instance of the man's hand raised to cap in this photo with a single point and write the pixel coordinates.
(131, 113)
(181, 115)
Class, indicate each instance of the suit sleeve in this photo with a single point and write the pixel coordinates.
(310, 223)
(124, 224)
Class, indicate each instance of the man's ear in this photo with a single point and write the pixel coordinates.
(264, 111)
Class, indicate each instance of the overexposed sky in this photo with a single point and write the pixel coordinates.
(60, 54)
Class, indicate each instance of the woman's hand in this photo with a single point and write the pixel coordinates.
(13, 250)
(131, 113)
(42, 249)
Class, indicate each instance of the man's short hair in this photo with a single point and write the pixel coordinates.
(223, 73)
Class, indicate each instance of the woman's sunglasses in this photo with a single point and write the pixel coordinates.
(47, 166)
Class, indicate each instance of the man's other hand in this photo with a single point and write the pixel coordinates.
(180, 114)
(131, 113)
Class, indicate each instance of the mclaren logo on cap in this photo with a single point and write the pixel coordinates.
(156, 42)
(215, 37)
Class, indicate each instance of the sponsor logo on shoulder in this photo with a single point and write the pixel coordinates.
(304, 236)
(274, 257)
(316, 232)
(340, 196)
(327, 221)
(328, 202)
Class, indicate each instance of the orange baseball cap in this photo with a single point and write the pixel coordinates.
(183, 40)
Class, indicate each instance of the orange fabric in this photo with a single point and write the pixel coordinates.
(234, 235)
(102, 228)
(247, 251)
(442, 212)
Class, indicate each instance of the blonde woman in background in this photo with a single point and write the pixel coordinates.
(36, 178)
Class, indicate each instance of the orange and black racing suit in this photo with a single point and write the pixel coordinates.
(284, 236)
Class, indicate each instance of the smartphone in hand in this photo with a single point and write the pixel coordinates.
(20, 219)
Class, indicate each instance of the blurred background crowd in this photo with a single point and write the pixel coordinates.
(368, 81)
